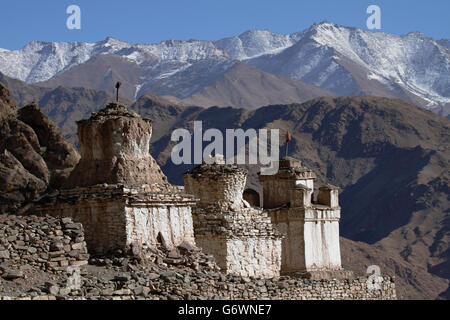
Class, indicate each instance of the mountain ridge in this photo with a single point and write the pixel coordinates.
(343, 60)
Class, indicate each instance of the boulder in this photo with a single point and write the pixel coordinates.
(34, 155)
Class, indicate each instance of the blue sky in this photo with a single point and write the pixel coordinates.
(150, 21)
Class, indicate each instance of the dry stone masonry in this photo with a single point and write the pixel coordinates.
(241, 238)
(44, 243)
(311, 246)
(117, 190)
(214, 286)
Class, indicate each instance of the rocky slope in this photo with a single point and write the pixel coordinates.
(247, 87)
(343, 60)
(33, 154)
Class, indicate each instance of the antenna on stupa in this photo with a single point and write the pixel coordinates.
(118, 84)
(288, 138)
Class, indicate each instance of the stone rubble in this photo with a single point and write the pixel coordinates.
(185, 273)
(45, 243)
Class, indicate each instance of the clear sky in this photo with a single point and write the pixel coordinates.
(151, 21)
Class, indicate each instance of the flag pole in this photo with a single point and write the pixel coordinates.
(118, 84)
(288, 138)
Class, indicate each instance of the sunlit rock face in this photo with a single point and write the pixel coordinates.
(34, 155)
(115, 144)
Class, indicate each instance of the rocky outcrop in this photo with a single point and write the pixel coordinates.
(59, 154)
(6, 105)
(33, 154)
(17, 184)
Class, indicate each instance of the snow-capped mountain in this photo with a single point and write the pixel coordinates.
(40, 61)
(343, 60)
(255, 43)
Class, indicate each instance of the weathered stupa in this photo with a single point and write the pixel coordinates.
(115, 148)
(241, 238)
(117, 190)
(311, 245)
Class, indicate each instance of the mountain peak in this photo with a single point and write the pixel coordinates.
(110, 41)
(254, 43)
(253, 32)
(325, 24)
(340, 59)
(417, 34)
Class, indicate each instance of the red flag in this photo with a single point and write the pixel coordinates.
(288, 137)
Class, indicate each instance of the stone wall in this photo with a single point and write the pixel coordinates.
(172, 223)
(241, 238)
(310, 242)
(243, 242)
(303, 289)
(45, 243)
(214, 245)
(212, 286)
(217, 185)
(104, 222)
(121, 216)
(254, 256)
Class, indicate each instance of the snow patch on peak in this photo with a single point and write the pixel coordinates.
(255, 43)
(113, 43)
(40, 61)
(182, 51)
(413, 61)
